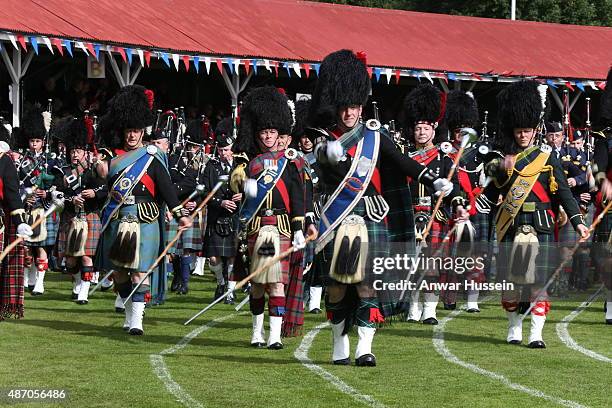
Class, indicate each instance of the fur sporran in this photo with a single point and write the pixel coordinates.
(350, 251)
(267, 245)
(76, 237)
(124, 252)
(40, 232)
(523, 256)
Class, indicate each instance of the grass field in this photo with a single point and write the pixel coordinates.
(82, 349)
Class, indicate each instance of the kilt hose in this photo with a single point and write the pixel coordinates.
(94, 230)
(11, 274)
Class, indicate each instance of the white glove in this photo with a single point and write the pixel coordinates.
(250, 188)
(24, 230)
(443, 186)
(334, 151)
(299, 242)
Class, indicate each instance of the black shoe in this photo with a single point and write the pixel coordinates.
(367, 360)
(82, 302)
(538, 344)
(183, 289)
(316, 310)
(36, 293)
(174, 286)
(514, 342)
(74, 296)
(258, 345)
(450, 306)
(119, 310)
(275, 346)
(608, 321)
(473, 310)
(229, 300)
(344, 362)
(430, 320)
(136, 332)
(30, 288)
(220, 291)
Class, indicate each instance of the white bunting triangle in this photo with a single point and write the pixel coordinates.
(47, 42)
(175, 59)
(141, 56)
(207, 64)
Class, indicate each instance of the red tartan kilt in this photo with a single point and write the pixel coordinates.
(11, 274)
(437, 232)
(94, 228)
(285, 243)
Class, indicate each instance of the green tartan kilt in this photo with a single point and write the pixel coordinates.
(190, 239)
(378, 238)
(481, 223)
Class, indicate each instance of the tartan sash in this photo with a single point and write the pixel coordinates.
(350, 191)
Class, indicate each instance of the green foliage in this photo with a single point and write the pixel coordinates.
(581, 12)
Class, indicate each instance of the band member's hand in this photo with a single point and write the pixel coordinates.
(299, 242)
(586, 197)
(606, 189)
(229, 205)
(191, 205)
(24, 230)
(461, 214)
(443, 186)
(31, 200)
(78, 201)
(185, 222)
(583, 231)
(168, 216)
(237, 197)
(41, 193)
(312, 231)
(89, 193)
(571, 182)
(508, 162)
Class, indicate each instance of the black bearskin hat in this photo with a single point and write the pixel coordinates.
(343, 81)
(263, 108)
(224, 132)
(33, 125)
(198, 130)
(523, 104)
(461, 110)
(130, 108)
(75, 133)
(425, 103)
(605, 114)
(167, 127)
(301, 118)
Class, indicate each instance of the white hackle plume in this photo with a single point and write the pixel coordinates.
(46, 120)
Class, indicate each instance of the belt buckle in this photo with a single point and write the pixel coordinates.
(529, 207)
(269, 212)
(129, 200)
(425, 201)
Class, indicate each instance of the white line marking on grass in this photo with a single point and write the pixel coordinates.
(301, 353)
(161, 369)
(563, 332)
(440, 346)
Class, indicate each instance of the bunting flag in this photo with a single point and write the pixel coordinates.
(569, 86)
(121, 52)
(377, 74)
(255, 64)
(370, 72)
(97, 50)
(230, 65)
(275, 64)
(306, 67)
(551, 83)
(580, 85)
(267, 65)
(444, 77)
(140, 57)
(388, 73)
(47, 42)
(207, 62)
(397, 76)
(220, 65)
(128, 54)
(68, 46)
(164, 56)
(602, 85)
(316, 68)
(477, 77)
(14, 41)
(81, 46)
(185, 59)
(237, 65)
(296, 69)
(21, 40)
(428, 76)
(175, 60)
(147, 55)
(452, 76)
(91, 50)
(286, 65)
(34, 43)
(418, 75)
(592, 85)
(247, 66)
(58, 44)
(196, 64)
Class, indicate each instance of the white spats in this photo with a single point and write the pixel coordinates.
(199, 266)
(128, 312)
(415, 310)
(275, 330)
(39, 287)
(230, 286)
(341, 347)
(515, 327)
(119, 302)
(136, 317)
(258, 329)
(537, 324)
(315, 298)
(609, 305)
(30, 275)
(429, 305)
(366, 336)
(472, 300)
(217, 269)
(83, 291)
(76, 283)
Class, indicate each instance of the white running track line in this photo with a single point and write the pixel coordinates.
(161, 370)
(440, 346)
(301, 353)
(563, 333)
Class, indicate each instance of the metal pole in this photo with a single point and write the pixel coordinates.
(513, 10)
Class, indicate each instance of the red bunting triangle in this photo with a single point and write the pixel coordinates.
(121, 52)
(478, 77)
(186, 62)
(275, 63)
(58, 44)
(306, 67)
(147, 56)
(445, 78)
(247, 66)
(602, 85)
(569, 86)
(220, 65)
(21, 40)
(91, 50)
(397, 76)
(370, 72)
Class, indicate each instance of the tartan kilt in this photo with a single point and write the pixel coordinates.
(546, 261)
(378, 236)
(94, 228)
(190, 239)
(482, 224)
(601, 252)
(285, 243)
(567, 234)
(217, 245)
(11, 274)
(52, 223)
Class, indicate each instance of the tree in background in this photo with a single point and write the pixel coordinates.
(581, 12)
